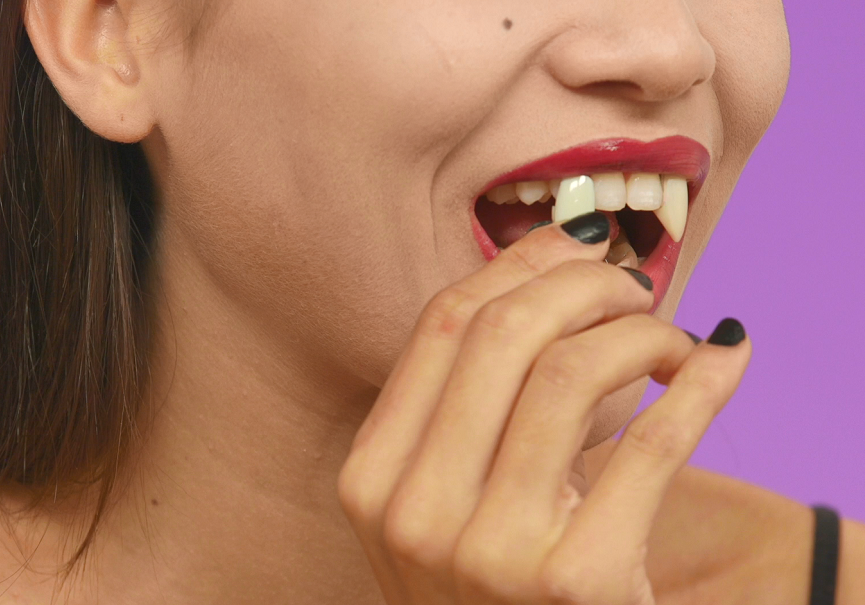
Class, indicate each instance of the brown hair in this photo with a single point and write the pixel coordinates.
(76, 217)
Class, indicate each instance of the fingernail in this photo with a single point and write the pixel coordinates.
(728, 333)
(536, 225)
(592, 228)
(641, 277)
(697, 340)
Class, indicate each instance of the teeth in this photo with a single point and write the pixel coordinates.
(610, 191)
(644, 191)
(673, 214)
(621, 252)
(532, 191)
(576, 196)
(630, 261)
(666, 195)
(502, 194)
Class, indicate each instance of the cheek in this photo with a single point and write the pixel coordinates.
(333, 118)
(752, 51)
(305, 153)
(752, 48)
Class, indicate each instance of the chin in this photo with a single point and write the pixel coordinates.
(614, 411)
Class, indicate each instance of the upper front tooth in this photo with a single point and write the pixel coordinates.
(674, 213)
(554, 186)
(502, 193)
(576, 196)
(644, 191)
(531, 191)
(610, 191)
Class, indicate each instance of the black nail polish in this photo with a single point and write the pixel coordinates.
(728, 333)
(536, 225)
(641, 277)
(592, 228)
(697, 340)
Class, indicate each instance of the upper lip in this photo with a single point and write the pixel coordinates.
(676, 155)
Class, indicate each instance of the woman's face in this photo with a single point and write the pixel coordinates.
(317, 158)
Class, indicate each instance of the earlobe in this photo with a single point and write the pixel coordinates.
(84, 47)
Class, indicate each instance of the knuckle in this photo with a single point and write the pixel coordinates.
(613, 287)
(568, 362)
(659, 437)
(593, 270)
(503, 316)
(412, 536)
(593, 274)
(572, 586)
(359, 496)
(662, 330)
(584, 582)
(483, 566)
(531, 260)
(643, 322)
(477, 566)
(448, 313)
(709, 383)
(651, 329)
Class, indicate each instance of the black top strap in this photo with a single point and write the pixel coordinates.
(824, 572)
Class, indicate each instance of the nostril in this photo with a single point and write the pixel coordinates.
(613, 87)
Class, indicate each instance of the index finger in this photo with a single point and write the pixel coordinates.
(408, 399)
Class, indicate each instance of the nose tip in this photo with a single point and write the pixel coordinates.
(670, 65)
(653, 50)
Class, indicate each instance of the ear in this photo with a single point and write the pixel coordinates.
(92, 57)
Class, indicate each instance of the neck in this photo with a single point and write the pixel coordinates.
(233, 497)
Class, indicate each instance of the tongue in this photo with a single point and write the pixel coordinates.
(506, 223)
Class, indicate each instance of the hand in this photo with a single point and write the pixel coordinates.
(717, 540)
(457, 484)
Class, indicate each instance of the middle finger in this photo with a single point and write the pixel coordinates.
(555, 411)
(499, 348)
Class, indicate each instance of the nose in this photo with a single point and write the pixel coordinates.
(652, 50)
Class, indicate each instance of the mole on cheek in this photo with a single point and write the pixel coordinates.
(507, 24)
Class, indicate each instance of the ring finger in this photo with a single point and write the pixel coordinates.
(550, 422)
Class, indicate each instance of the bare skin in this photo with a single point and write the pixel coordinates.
(313, 162)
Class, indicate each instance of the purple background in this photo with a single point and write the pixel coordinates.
(786, 261)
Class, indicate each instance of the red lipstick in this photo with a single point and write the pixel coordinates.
(676, 155)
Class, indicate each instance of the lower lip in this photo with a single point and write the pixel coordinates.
(659, 266)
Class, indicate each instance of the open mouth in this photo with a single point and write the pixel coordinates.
(640, 206)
